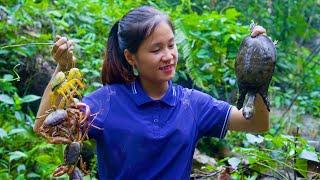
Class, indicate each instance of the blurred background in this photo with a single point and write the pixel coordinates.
(208, 35)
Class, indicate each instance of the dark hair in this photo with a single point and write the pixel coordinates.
(128, 33)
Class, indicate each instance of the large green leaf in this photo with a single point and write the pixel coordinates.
(29, 98)
(308, 155)
(17, 131)
(16, 155)
(6, 99)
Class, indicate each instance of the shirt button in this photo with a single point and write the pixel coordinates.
(155, 120)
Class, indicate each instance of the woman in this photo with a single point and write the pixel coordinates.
(147, 127)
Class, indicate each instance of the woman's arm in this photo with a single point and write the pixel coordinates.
(62, 53)
(45, 102)
(258, 123)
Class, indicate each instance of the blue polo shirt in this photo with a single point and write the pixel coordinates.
(141, 138)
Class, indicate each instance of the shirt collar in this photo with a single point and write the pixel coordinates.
(140, 96)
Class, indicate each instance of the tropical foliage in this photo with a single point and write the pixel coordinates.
(208, 34)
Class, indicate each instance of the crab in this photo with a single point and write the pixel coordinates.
(71, 157)
(69, 122)
(67, 87)
(54, 126)
(69, 127)
(62, 126)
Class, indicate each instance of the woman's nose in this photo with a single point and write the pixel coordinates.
(168, 55)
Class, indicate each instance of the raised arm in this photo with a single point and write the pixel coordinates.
(63, 55)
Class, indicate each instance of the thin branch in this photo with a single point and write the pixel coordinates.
(25, 44)
(203, 174)
(276, 171)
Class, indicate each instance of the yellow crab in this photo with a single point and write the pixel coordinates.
(68, 87)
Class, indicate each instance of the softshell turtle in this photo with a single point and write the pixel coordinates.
(254, 68)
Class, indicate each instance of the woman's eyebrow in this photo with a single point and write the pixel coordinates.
(159, 43)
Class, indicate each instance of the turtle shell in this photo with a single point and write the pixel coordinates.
(255, 62)
(254, 67)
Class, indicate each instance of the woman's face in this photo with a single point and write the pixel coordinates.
(157, 56)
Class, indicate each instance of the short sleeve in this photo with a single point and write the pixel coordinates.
(98, 101)
(212, 115)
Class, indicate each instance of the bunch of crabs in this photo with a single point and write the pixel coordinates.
(68, 122)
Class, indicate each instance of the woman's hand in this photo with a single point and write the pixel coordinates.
(257, 30)
(62, 53)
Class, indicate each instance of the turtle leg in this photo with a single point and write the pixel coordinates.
(264, 95)
(241, 98)
(248, 109)
(266, 100)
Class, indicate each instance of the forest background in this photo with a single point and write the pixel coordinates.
(208, 35)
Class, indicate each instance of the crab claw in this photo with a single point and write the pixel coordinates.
(84, 106)
(60, 170)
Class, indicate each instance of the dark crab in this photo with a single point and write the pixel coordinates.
(254, 68)
(71, 158)
(54, 127)
(69, 127)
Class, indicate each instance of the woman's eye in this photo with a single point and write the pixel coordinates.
(156, 50)
(171, 46)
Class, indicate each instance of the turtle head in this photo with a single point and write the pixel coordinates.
(247, 112)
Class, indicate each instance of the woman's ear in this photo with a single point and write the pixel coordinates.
(130, 57)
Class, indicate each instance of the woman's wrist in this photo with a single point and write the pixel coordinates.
(58, 69)
(61, 68)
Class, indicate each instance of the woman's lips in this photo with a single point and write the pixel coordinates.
(167, 69)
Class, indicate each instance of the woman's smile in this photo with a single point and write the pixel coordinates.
(167, 69)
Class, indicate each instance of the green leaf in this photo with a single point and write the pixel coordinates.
(232, 13)
(16, 155)
(6, 99)
(216, 33)
(3, 162)
(5, 175)
(16, 131)
(17, 101)
(3, 133)
(33, 175)
(20, 177)
(233, 36)
(30, 98)
(21, 167)
(55, 13)
(302, 166)
(19, 115)
(203, 53)
(308, 155)
(7, 77)
(44, 158)
(234, 162)
(254, 139)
